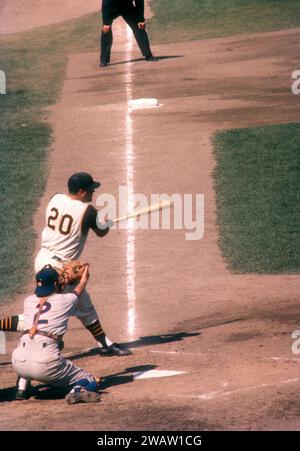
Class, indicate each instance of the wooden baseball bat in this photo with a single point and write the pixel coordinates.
(144, 211)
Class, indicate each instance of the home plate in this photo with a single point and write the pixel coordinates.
(143, 103)
(156, 373)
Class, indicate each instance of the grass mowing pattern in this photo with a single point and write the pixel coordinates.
(184, 20)
(257, 182)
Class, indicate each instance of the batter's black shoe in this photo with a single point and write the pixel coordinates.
(114, 350)
(82, 396)
(103, 64)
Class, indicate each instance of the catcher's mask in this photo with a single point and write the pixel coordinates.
(46, 281)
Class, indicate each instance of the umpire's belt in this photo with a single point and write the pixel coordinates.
(45, 334)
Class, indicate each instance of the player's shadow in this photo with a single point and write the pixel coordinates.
(7, 394)
(46, 392)
(125, 376)
(121, 378)
(149, 340)
(39, 391)
(136, 60)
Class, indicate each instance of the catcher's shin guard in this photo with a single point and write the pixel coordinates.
(85, 390)
(12, 323)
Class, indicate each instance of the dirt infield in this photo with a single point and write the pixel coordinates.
(22, 15)
(231, 335)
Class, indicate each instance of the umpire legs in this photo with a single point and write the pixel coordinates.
(106, 44)
(141, 36)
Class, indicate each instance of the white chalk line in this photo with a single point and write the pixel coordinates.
(221, 393)
(130, 246)
(285, 359)
(177, 352)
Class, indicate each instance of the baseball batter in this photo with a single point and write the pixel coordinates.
(38, 357)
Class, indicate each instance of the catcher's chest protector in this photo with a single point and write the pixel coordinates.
(62, 234)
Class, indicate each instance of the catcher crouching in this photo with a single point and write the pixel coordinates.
(46, 316)
(68, 220)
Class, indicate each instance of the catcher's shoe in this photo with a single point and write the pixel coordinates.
(24, 392)
(115, 350)
(82, 396)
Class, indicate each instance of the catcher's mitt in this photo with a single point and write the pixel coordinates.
(71, 272)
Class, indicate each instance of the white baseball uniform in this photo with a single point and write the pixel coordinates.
(40, 358)
(63, 240)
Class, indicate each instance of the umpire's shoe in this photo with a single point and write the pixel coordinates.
(151, 58)
(115, 350)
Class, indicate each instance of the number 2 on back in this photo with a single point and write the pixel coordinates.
(46, 307)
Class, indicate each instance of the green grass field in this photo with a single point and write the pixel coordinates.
(184, 20)
(257, 182)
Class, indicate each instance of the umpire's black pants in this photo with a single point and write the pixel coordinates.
(140, 36)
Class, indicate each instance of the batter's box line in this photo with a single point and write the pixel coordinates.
(177, 352)
(221, 393)
(284, 359)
